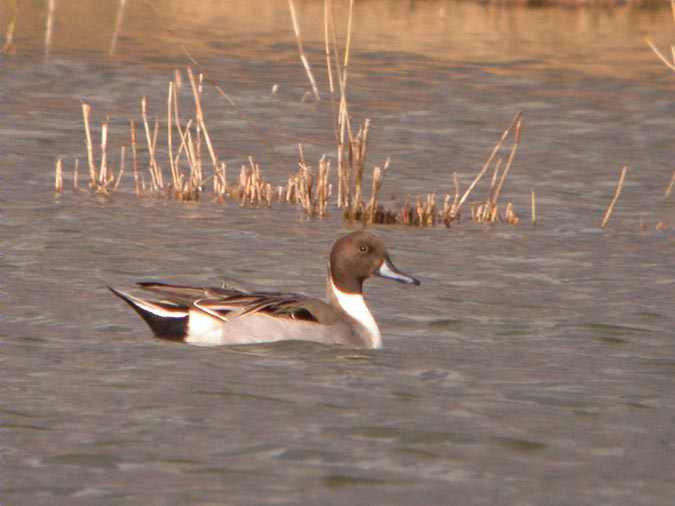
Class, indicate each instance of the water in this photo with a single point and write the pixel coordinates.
(535, 365)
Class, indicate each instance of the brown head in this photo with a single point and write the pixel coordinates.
(358, 256)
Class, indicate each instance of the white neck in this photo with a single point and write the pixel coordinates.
(355, 306)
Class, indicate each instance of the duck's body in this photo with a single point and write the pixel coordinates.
(220, 316)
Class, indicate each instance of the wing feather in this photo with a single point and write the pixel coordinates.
(225, 303)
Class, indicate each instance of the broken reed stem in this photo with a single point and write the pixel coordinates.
(58, 176)
(303, 57)
(619, 186)
(488, 162)
(512, 155)
(533, 206)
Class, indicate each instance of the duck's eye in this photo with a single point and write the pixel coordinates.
(363, 248)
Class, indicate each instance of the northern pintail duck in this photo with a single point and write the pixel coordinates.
(218, 316)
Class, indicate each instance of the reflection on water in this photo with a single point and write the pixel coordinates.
(596, 40)
(533, 365)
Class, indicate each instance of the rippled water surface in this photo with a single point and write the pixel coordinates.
(535, 365)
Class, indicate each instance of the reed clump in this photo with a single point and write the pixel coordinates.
(422, 210)
(308, 189)
(175, 158)
(178, 170)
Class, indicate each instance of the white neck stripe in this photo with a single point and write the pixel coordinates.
(355, 306)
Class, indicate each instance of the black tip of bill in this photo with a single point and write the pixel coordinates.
(387, 270)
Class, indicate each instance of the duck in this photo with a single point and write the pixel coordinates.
(213, 316)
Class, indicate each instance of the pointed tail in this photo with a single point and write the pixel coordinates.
(166, 320)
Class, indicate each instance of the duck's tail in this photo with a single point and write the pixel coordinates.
(165, 319)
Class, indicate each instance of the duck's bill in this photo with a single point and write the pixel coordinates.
(387, 270)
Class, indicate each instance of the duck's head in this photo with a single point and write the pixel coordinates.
(358, 256)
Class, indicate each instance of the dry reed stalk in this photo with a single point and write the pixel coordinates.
(327, 189)
(323, 188)
(450, 211)
(489, 161)
(510, 215)
(429, 210)
(290, 190)
(512, 154)
(8, 46)
(669, 190)
(49, 28)
(375, 188)
(196, 92)
(326, 11)
(103, 169)
(256, 182)
(169, 134)
(533, 206)
(220, 181)
(58, 176)
(178, 84)
(301, 155)
(303, 57)
(617, 192)
(86, 110)
(405, 213)
(268, 194)
(348, 43)
(193, 162)
(76, 175)
(669, 64)
(118, 26)
(493, 182)
(343, 124)
(134, 158)
(121, 173)
(158, 172)
(183, 148)
(486, 212)
(153, 166)
(352, 173)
